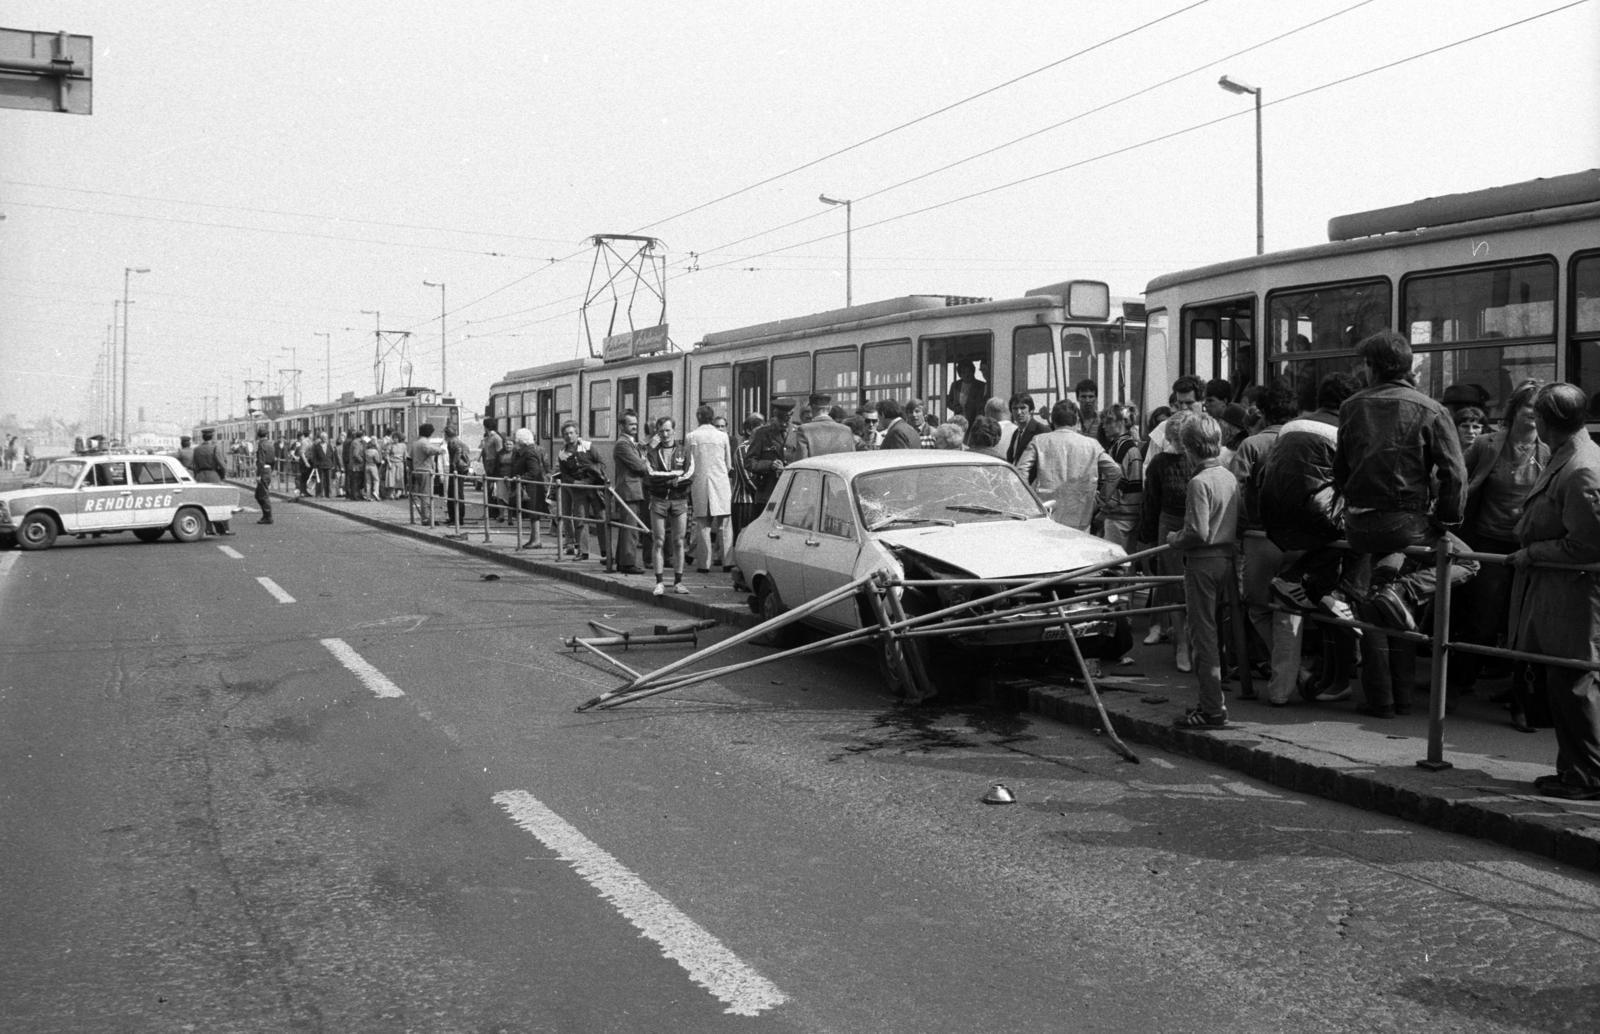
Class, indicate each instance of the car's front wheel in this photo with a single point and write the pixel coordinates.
(149, 534)
(37, 531)
(189, 525)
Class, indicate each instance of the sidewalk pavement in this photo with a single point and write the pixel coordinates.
(1328, 750)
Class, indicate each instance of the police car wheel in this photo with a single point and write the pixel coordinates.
(189, 525)
(37, 532)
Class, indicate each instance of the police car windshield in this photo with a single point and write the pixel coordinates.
(62, 474)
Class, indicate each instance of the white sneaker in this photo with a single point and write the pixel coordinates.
(659, 590)
(681, 589)
(1156, 635)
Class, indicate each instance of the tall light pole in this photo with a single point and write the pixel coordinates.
(443, 383)
(294, 370)
(846, 202)
(327, 341)
(127, 274)
(1234, 86)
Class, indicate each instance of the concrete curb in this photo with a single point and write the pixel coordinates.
(1455, 800)
(564, 572)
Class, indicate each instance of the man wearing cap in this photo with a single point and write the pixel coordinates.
(185, 453)
(822, 434)
(211, 468)
(266, 461)
(773, 445)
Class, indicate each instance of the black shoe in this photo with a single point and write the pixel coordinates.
(631, 570)
(1198, 720)
(1568, 792)
(1392, 609)
(264, 520)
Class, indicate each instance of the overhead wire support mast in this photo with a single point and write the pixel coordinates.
(645, 267)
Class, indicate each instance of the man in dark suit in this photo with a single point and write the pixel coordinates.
(822, 434)
(628, 480)
(1027, 423)
(897, 434)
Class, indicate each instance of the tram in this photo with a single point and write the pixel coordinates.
(1490, 287)
(403, 410)
(1042, 343)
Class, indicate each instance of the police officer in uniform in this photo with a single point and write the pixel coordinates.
(770, 448)
(211, 468)
(266, 462)
(822, 434)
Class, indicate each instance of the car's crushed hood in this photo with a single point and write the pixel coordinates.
(1005, 549)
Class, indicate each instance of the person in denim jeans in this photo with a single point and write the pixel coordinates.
(1399, 468)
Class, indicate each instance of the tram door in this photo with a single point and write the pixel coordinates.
(749, 391)
(1219, 341)
(957, 371)
(544, 429)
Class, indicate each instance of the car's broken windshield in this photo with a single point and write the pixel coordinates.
(960, 493)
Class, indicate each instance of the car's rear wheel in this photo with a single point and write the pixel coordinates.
(149, 534)
(769, 606)
(37, 531)
(189, 525)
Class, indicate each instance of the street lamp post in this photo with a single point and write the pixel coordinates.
(443, 382)
(294, 371)
(111, 369)
(847, 203)
(127, 273)
(1234, 86)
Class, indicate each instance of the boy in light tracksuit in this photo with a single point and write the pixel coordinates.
(1209, 539)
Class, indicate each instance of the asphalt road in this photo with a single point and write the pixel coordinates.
(210, 822)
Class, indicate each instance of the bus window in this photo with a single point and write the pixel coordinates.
(1313, 332)
(839, 374)
(947, 379)
(716, 390)
(1077, 357)
(628, 397)
(658, 396)
(600, 409)
(1583, 356)
(886, 370)
(1492, 327)
(1219, 342)
(1033, 368)
(791, 378)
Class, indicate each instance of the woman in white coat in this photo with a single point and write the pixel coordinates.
(712, 492)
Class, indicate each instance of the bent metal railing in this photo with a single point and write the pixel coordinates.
(1439, 641)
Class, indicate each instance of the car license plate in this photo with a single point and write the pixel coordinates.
(1058, 632)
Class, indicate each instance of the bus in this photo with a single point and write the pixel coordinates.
(1490, 287)
(1043, 343)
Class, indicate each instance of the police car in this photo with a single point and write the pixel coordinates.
(106, 494)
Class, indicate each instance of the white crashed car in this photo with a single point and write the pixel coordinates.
(923, 515)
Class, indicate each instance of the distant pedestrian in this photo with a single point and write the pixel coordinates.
(1028, 425)
(744, 506)
(1118, 424)
(822, 434)
(211, 467)
(769, 449)
(528, 468)
(425, 453)
(185, 453)
(489, 454)
(266, 462)
(671, 474)
(396, 457)
(1069, 468)
(322, 464)
(628, 482)
(711, 491)
(579, 464)
(1208, 540)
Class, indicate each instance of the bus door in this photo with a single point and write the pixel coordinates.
(957, 375)
(1219, 341)
(749, 391)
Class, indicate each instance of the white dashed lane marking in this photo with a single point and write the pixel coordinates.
(708, 962)
(370, 677)
(229, 551)
(276, 589)
(6, 562)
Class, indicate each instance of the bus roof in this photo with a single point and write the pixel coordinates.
(1535, 211)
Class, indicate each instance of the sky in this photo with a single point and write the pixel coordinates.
(290, 169)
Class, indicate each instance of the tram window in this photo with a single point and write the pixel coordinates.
(839, 374)
(1219, 342)
(886, 371)
(1459, 324)
(1033, 368)
(600, 409)
(1305, 374)
(513, 411)
(716, 389)
(944, 365)
(1583, 360)
(1078, 351)
(658, 396)
(563, 413)
(791, 378)
(1330, 318)
(628, 395)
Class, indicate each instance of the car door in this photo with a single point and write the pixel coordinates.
(155, 499)
(831, 553)
(103, 494)
(795, 522)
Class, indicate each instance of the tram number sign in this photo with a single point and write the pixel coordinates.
(634, 343)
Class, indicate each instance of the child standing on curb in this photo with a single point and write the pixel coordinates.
(1209, 540)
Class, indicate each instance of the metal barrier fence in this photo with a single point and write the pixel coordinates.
(1439, 641)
